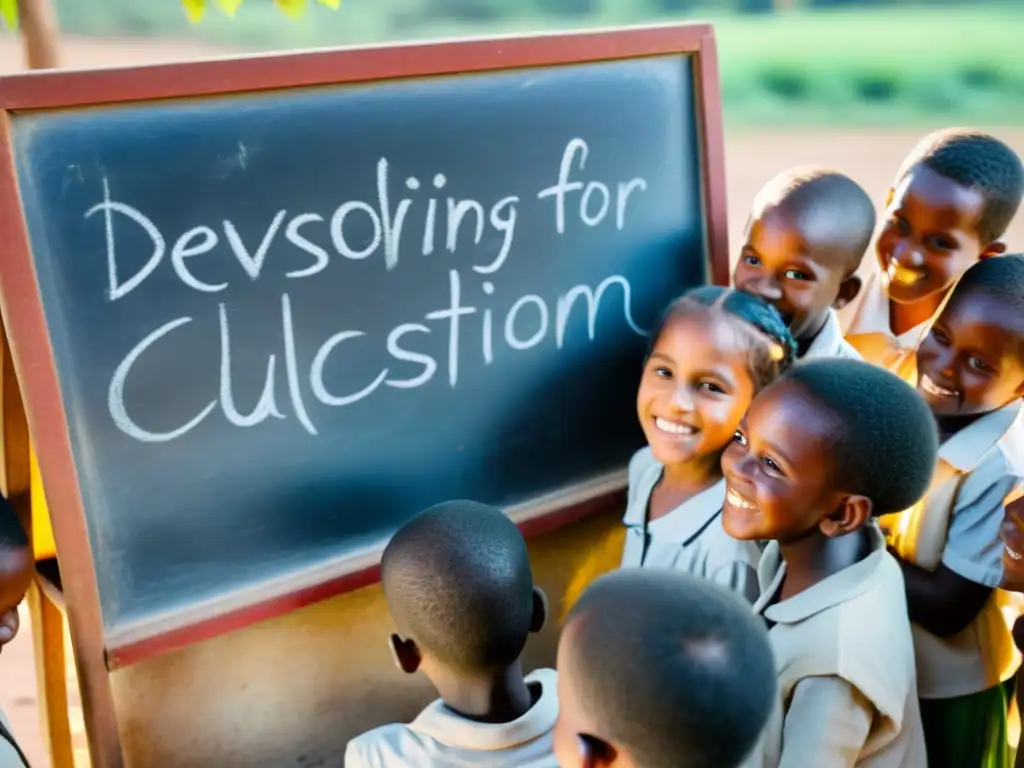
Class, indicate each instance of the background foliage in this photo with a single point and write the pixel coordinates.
(838, 62)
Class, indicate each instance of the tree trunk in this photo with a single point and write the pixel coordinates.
(38, 22)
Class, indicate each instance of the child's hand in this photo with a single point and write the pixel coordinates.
(1012, 533)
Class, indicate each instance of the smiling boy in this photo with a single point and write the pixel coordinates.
(805, 238)
(971, 372)
(952, 200)
(829, 446)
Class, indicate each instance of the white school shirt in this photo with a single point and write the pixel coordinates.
(439, 738)
(957, 524)
(690, 538)
(865, 324)
(845, 662)
(8, 754)
(830, 342)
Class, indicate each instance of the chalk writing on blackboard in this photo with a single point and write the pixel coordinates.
(450, 220)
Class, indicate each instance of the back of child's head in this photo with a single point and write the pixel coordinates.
(883, 439)
(1000, 277)
(673, 670)
(458, 582)
(830, 210)
(974, 160)
(771, 345)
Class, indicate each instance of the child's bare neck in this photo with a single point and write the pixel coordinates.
(814, 557)
(906, 317)
(499, 697)
(679, 484)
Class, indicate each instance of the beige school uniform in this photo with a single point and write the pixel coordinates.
(439, 738)
(830, 342)
(957, 525)
(690, 538)
(867, 329)
(845, 661)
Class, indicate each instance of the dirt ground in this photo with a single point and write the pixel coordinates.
(752, 157)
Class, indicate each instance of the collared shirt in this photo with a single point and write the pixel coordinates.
(830, 342)
(9, 757)
(440, 738)
(690, 538)
(866, 325)
(845, 661)
(957, 524)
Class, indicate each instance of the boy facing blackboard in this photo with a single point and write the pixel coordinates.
(460, 590)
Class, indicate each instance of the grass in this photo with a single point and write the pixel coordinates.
(894, 65)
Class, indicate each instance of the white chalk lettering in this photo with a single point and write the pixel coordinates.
(297, 239)
(488, 326)
(265, 406)
(184, 248)
(510, 323)
(429, 364)
(626, 188)
(338, 230)
(559, 190)
(392, 227)
(457, 211)
(506, 224)
(120, 290)
(115, 393)
(602, 210)
(316, 373)
(291, 365)
(593, 297)
(452, 314)
(253, 264)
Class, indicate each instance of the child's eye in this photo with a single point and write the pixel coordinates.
(751, 260)
(901, 225)
(941, 243)
(710, 386)
(796, 274)
(770, 463)
(940, 337)
(739, 437)
(980, 365)
(662, 373)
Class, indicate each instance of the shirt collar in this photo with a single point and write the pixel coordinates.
(838, 588)
(442, 724)
(872, 316)
(828, 341)
(965, 450)
(686, 521)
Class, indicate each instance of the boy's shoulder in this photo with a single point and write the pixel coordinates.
(388, 745)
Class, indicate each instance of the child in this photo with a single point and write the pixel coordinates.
(805, 238)
(459, 588)
(952, 200)
(16, 568)
(710, 353)
(1013, 578)
(831, 445)
(661, 670)
(971, 372)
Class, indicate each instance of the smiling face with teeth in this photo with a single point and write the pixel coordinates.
(777, 472)
(930, 236)
(972, 361)
(695, 387)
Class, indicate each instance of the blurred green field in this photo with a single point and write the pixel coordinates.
(870, 65)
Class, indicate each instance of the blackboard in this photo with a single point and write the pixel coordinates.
(284, 322)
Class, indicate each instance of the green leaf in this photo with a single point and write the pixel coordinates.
(9, 10)
(194, 9)
(228, 7)
(332, 4)
(293, 8)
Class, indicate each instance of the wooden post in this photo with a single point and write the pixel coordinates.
(39, 31)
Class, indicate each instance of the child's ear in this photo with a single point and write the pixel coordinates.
(853, 511)
(405, 654)
(848, 290)
(995, 248)
(540, 610)
(595, 752)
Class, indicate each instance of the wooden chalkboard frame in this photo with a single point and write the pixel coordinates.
(96, 652)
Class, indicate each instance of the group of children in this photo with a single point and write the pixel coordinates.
(812, 572)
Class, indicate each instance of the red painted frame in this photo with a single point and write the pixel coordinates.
(21, 305)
